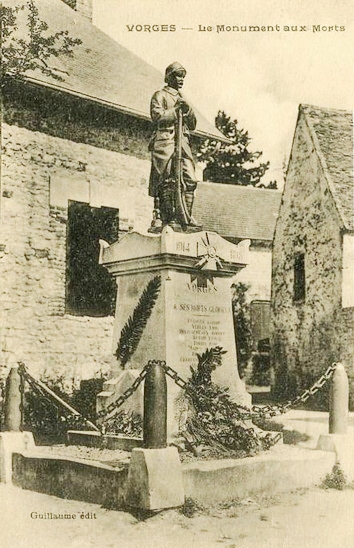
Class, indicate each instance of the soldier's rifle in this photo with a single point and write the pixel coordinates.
(180, 187)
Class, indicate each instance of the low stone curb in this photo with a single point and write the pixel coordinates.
(77, 479)
(276, 471)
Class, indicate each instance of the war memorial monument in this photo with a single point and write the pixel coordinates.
(180, 273)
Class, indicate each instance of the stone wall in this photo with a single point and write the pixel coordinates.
(308, 335)
(257, 273)
(346, 321)
(40, 174)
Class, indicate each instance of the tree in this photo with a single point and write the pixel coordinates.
(232, 162)
(34, 51)
(242, 325)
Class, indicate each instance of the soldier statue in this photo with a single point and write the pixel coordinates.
(172, 178)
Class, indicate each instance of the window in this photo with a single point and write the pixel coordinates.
(299, 277)
(90, 289)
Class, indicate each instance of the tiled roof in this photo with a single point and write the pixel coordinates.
(333, 136)
(237, 211)
(100, 69)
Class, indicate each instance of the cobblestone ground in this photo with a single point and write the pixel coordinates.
(314, 518)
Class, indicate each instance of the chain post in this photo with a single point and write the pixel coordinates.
(338, 401)
(155, 407)
(13, 405)
(22, 393)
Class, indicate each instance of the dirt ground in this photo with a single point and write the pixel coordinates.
(314, 518)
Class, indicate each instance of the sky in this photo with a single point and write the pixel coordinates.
(258, 78)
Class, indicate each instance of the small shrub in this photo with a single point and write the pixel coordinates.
(47, 419)
(336, 479)
(84, 399)
(293, 437)
(129, 424)
(190, 507)
(267, 424)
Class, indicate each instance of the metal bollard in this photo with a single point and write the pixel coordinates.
(155, 408)
(339, 401)
(13, 402)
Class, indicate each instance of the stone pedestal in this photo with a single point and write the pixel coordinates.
(343, 446)
(12, 442)
(155, 479)
(193, 310)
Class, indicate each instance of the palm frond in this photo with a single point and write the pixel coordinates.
(133, 329)
(208, 361)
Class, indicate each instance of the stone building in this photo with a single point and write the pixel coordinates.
(75, 167)
(312, 270)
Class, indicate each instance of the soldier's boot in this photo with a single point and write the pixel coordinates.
(167, 204)
(189, 200)
(156, 222)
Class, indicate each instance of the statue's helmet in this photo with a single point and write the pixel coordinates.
(172, 68)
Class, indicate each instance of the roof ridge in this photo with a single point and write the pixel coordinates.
(323, 163)
(247, 188)
(238, 211)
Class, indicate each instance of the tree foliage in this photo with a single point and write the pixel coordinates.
(215, 420)
(242, 324)
(232, 162)
(34, 50)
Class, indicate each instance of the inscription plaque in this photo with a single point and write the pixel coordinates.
(199, 318)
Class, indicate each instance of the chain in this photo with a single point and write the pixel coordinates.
(113, 407)
(109, 411)
(266, 411)
(257, 411)
(175, 376)
(39, 388)
(281, 408)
